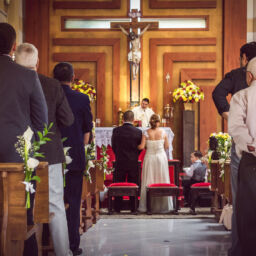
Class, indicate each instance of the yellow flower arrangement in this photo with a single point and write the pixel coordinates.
(85, 88)
(188, 92)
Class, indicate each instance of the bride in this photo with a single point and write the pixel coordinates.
(155, 166)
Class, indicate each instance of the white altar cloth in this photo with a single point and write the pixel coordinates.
(104, 134)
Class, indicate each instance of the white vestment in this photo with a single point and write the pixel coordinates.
(143, 115)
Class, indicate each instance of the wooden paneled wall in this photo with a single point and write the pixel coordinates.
(100, 56)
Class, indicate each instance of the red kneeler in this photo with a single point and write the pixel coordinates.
(197, 190)
(166, 189)
(122, 189)
(162, 189)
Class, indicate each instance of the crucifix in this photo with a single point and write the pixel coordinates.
(131, 29)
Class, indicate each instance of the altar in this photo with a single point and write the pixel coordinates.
(103, 137)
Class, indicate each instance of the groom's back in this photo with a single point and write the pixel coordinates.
(125, 141)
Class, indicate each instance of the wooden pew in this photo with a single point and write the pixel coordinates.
(215, 181)
(227, 183)
(97, 185)
(222, 189)
(90, 203)
(13, 214)
(86, 218)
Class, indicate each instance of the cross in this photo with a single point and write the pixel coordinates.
(134, 56)
(134, 24)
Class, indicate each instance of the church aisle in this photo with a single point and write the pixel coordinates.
(156, 237)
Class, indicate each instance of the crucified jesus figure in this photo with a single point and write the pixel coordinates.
(134, 56)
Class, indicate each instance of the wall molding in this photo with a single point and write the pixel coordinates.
(156, 4)
(114, 4)
(115, 44)
(155, 42)
(36, 30)
(100, 59)
(207, 122)
(82, 74)
(170, 58)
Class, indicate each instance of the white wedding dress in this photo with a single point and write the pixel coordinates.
(155, 170)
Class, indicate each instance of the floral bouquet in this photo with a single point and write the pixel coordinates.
(105, 159)
(90, 155)
(85, 88)
(188, 92)
(28, 149)
(219, 148)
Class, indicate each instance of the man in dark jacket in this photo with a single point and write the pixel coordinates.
(22, 104)
(77, 136)
(233, 82)
(60, 114)
(125, 141)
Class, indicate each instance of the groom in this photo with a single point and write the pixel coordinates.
(125, 141)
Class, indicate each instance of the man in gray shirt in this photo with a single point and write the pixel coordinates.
(242, 127)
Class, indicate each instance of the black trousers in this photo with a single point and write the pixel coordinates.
(120, 176)
(246, 204)
(72, 196)
(186, 189)
(30, 245)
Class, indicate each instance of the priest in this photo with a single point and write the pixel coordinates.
(143, 112)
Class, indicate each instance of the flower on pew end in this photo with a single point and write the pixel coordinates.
(32, 163)
(28, 134)
(68, 159)
(29, 187)
(65, 171)
(222, 173)
(90, 164)
(66, 149)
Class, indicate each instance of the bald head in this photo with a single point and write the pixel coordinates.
(251, 71)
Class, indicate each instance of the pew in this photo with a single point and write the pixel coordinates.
(90, 203)
(97, 185)
(222, 190)
(227, 183)
(86, 206)
(13, 214)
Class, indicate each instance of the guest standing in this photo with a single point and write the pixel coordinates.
(242, 127)
(22, 104)
(77, 136)
(233, 82)
(60, 114)
(155, 166)
(125, 141)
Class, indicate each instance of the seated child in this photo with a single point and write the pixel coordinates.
(196, 171)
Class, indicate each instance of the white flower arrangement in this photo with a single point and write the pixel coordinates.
(29, 152)
(223, 145)
(68, 160)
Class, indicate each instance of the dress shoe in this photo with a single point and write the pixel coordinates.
(78, 251)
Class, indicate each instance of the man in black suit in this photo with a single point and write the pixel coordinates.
(77, 136)
(125, 141)
(22, 104)
(60, 114)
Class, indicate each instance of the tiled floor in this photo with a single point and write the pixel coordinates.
(156, 237)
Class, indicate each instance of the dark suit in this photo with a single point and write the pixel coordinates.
(22, 104)
(125, 141)
(60, 114)
(80, 106)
